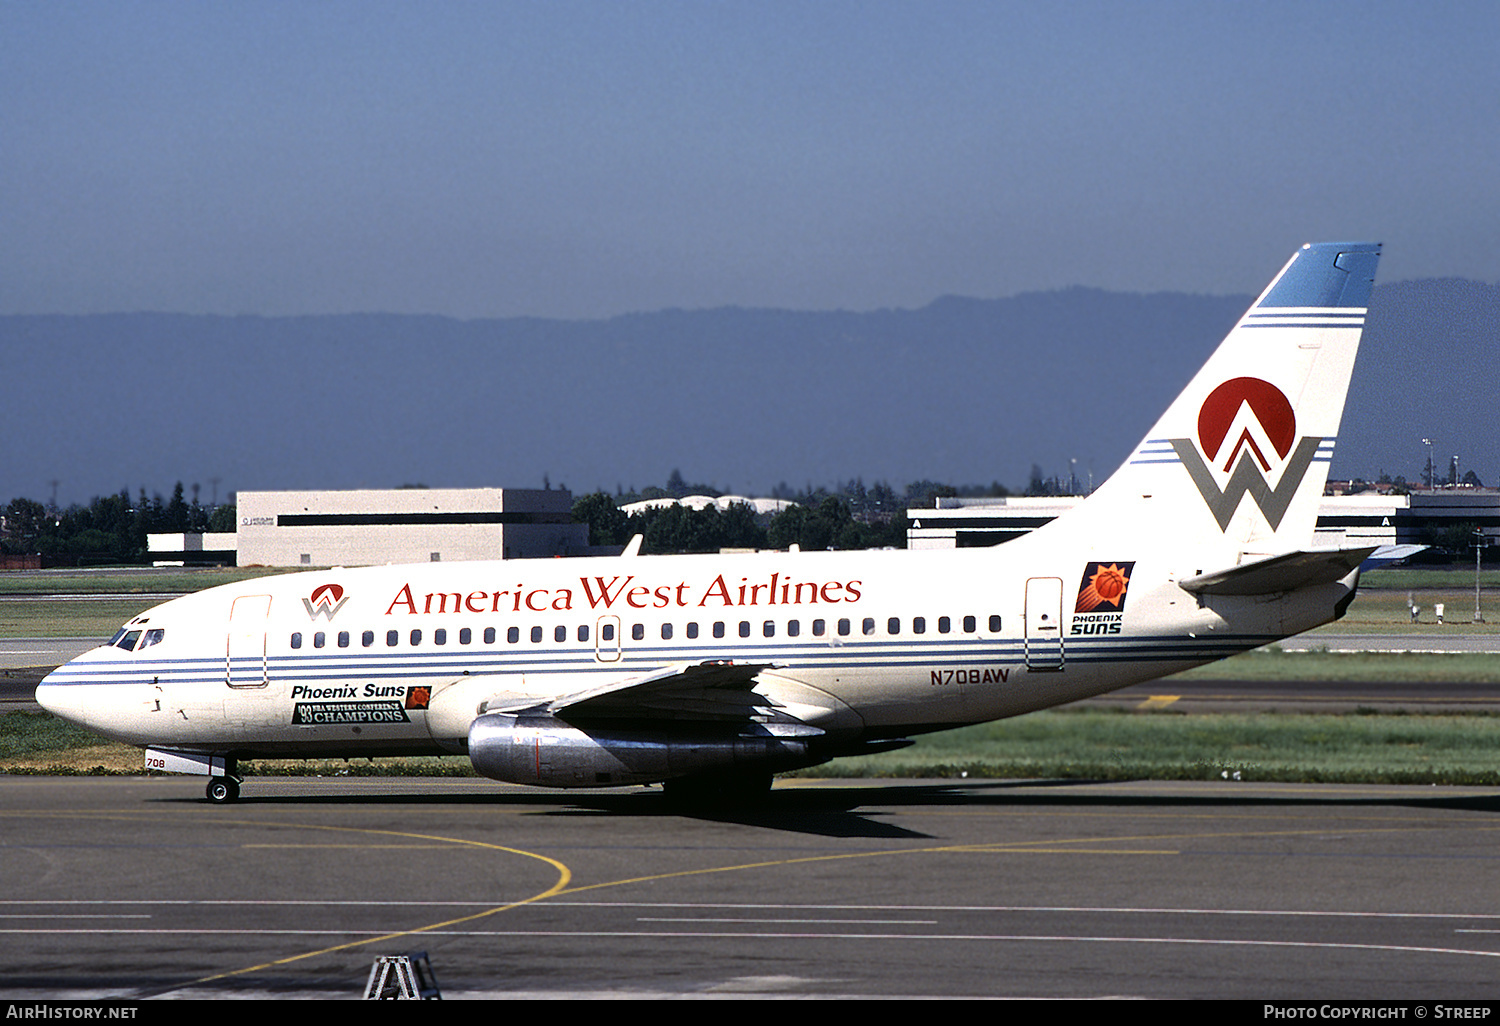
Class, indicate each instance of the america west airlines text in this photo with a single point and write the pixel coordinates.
(626, 593)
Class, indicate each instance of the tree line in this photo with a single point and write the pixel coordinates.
(849, 515)
(111, 528)
(830, 524)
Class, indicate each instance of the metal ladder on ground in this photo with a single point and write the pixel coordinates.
(406, 977)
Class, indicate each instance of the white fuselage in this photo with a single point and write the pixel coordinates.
(860, 644)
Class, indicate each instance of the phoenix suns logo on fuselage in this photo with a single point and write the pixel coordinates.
(326, 600)
(1100, 607)
(1250, 454)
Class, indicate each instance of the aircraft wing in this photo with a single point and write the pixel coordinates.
(717, 691)
(1286, 572)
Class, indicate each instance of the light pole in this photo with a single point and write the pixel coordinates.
(1431, 470)
(1478, 548)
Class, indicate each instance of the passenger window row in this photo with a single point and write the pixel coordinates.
(867, 627)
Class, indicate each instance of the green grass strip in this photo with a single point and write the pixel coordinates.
(101, 582)
(29, 733)
(1072, 744)
(1117, 745)
(1415, 668)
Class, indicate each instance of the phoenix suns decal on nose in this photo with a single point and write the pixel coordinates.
(326, 600)
(1251, 424)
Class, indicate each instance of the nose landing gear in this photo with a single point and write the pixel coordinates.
(223, 782)
(222, 790)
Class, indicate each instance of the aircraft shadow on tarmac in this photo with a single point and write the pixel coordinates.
(856, 810)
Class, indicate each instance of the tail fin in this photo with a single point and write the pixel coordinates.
(1238, 462)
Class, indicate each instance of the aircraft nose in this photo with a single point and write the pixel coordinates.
(52, 696)
(65, 701)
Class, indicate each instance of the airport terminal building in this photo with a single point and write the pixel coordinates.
(408, 525)
(1344, 521)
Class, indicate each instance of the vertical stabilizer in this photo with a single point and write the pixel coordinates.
(1237, 464)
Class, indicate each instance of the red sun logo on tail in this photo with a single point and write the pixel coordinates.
(1273, 412)
(1269, 406)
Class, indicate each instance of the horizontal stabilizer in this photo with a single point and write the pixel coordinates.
(1287, 572)
(1386, 555)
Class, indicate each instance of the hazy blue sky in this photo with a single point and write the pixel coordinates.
(583, 159)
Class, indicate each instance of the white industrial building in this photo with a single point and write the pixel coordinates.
(1343, 520)
(407, 525)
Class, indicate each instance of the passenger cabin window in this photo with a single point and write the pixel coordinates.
(969, 625)
(489, 635)
(297, 639)
(994, 622)
(367, 638)
(944, 625)
(638, 632)
(440, 637)
(343, 639)
(392, 639)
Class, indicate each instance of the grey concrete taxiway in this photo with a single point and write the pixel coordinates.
(138, 888)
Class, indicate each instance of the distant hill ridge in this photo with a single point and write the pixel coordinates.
(961, 390)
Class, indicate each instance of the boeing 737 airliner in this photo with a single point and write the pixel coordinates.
(711, 673)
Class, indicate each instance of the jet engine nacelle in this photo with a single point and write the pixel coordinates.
(544, 750)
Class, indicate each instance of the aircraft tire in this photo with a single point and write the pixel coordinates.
(222, 790)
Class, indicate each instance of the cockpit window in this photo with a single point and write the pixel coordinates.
(128, 641)
(116, 639)
(153, 637)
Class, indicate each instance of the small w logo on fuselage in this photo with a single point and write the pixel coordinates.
(326, 600)
(1271, 414)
